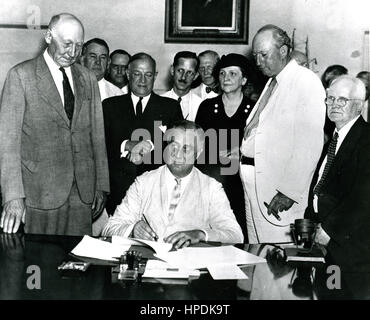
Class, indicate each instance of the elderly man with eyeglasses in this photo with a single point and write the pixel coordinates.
(340, 194)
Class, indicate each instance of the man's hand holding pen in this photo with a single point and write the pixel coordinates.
(179, 239)
(142, 230)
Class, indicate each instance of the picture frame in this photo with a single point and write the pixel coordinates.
(207, 21)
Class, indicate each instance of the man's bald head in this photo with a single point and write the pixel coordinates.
(65, 36)
(62, 18)
(271, 47)
(300, 57)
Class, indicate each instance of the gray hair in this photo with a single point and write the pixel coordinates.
(358, 90)
(62, 16)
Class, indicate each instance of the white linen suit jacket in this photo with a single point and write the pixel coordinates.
(289, 140)
(203, 205)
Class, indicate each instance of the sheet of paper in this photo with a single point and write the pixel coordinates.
(201, 257)
(161, 269)
(98, 249)
(226, 272)
(159, 247)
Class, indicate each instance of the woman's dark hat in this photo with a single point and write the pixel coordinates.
(233, 60)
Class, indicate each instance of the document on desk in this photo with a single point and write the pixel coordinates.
(225, 271)
(99, 249)
(159, 247)
(200, 257)
(163, 270)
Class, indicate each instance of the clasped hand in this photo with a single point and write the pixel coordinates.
(137, 150)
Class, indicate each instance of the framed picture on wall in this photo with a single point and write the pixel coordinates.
(207, 21)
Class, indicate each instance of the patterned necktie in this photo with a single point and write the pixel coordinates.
(265, 98)
(139, 108)
(69, 98)
(329, 162)
(175, 198)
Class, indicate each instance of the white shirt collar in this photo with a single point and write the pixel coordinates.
(342, 133)
(135, 99)
(184, 98)
(171, 182)
(53, 67)
(57, 74)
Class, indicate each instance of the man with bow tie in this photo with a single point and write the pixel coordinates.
(209, 88)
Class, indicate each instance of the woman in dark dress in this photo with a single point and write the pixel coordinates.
(224, 117)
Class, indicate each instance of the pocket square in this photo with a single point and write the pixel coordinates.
(163, 128)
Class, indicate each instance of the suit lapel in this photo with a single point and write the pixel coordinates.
(150, 105)
(79, 92)
(346, 149)
(47, 88)
(130, 112)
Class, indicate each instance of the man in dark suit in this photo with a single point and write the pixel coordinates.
(53, 163)
(132, 123)
(339, 198)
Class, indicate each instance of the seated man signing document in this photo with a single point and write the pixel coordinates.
(177, 202)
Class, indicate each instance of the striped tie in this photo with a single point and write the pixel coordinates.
(329, 162)
(175, 198)
(261, 105)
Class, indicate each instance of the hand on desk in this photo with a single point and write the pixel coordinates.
(182, 239)
(279, 202)
(12, 215)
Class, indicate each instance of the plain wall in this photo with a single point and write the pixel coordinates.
(335, 29)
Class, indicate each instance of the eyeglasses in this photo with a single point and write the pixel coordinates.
(341, 101)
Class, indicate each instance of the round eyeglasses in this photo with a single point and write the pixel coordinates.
(340, 101)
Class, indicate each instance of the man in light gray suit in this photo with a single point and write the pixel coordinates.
(53, 163)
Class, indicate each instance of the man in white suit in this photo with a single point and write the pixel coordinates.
(283, 140)
(177, 202)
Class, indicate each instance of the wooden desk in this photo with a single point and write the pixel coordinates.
(19, 254)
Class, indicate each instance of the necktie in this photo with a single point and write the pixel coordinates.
(329, 162)
(175, 198)
(179, 99)
(139, 108)
(69, 98)
(265, 98)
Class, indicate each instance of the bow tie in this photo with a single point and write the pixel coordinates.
(209, 89)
